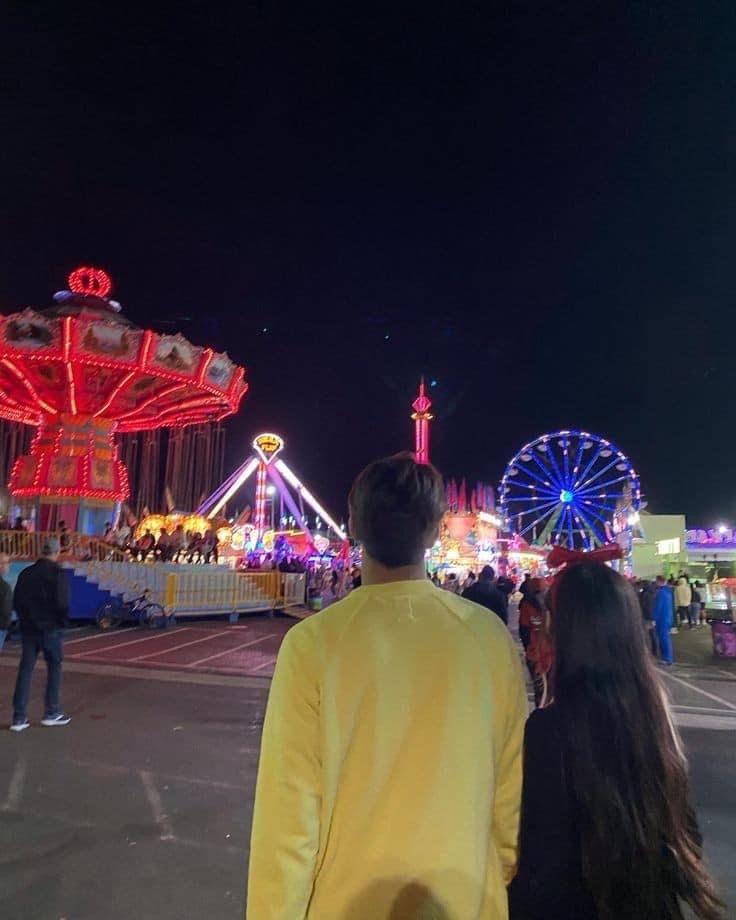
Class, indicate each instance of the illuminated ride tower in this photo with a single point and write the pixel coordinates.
(267, 464)
(421, 418)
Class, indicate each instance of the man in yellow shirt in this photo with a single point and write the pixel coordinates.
(390, 774)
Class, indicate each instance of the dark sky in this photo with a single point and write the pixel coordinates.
(533, 203)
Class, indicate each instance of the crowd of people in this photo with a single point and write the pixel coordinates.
(399, 776)
(178, 546)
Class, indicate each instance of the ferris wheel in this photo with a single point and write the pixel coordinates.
(569, 488)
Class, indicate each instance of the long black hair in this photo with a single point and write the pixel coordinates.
(641, 849)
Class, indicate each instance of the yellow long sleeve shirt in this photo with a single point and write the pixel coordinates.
(391, 763)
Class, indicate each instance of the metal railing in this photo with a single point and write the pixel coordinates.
(20, 544)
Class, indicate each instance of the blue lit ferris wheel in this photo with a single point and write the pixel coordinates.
(571, 488)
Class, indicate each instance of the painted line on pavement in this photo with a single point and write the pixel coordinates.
(116, 645)
(157, 807)
(166, 777)
(96, 635)
(176, 648)
(229, 651)
(15, 788)
(163, 673)
(265, 664)
(711, 696)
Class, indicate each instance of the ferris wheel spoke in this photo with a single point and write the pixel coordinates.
(589, 503)
(578, 457)
(535, 509)
(588, 511)
(534, 523)
(532, 475)
(527, 485)
(570, 531)
(553, 461)
(602, 485)
(551, 527)
(528, 498)
(591, 463)
(601, 471)
(590, 528)
(546, 471)
(566, 460)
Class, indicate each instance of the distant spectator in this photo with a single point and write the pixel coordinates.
(145, 545)
(647, 593)
(524, 586)
(485, 593)
(695, 605)
(683, 599)
(65, 540)
(19, 524)
(505, 585)
(452, 584)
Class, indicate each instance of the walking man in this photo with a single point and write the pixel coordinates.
(390, 771)
(42, 603)
(6, 599)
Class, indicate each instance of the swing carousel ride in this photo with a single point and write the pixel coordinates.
(82, 375)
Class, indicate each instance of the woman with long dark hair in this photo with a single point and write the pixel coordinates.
(607, 828)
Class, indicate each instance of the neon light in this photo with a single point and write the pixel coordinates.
(294, 481)
(268, 446)
(246, 473)
(29, 387)
(93, 282)
(422, 417)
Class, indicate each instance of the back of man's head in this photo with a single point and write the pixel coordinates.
(487, 573)
(395, 509)
(660, 580)
(50, 548)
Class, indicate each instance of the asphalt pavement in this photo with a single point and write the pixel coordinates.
(142, 806)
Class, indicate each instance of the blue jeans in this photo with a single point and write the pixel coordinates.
(50, 643)
(3, 634)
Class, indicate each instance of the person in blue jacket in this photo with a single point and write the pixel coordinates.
(663, 620)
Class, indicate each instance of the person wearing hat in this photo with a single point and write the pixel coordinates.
(41, 601)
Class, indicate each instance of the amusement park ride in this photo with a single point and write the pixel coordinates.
(569, 488)
(81, 373)
(267, 464)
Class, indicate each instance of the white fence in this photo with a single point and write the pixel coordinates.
(192, 590)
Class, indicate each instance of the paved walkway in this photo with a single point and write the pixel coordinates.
(248, 648)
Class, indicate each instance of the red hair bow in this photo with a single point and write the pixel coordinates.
(567, 557)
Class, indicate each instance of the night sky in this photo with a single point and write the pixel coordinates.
(532, 203)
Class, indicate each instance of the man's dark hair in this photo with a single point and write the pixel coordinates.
(395, 508)
(487, 573)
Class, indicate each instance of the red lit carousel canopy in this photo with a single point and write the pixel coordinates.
(81, 373)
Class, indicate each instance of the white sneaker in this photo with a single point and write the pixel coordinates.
(58, 719)
(19, 725)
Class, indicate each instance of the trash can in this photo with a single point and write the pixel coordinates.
(724, 638)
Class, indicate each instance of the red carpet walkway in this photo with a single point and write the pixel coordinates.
(248, 648)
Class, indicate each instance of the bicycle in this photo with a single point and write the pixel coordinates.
(138, 610)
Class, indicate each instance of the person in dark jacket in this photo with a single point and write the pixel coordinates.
(647, 597)
(6, 599)
(485, 593)
(41, 601)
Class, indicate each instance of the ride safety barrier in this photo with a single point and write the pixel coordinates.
(191, 590)
(22, 544)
